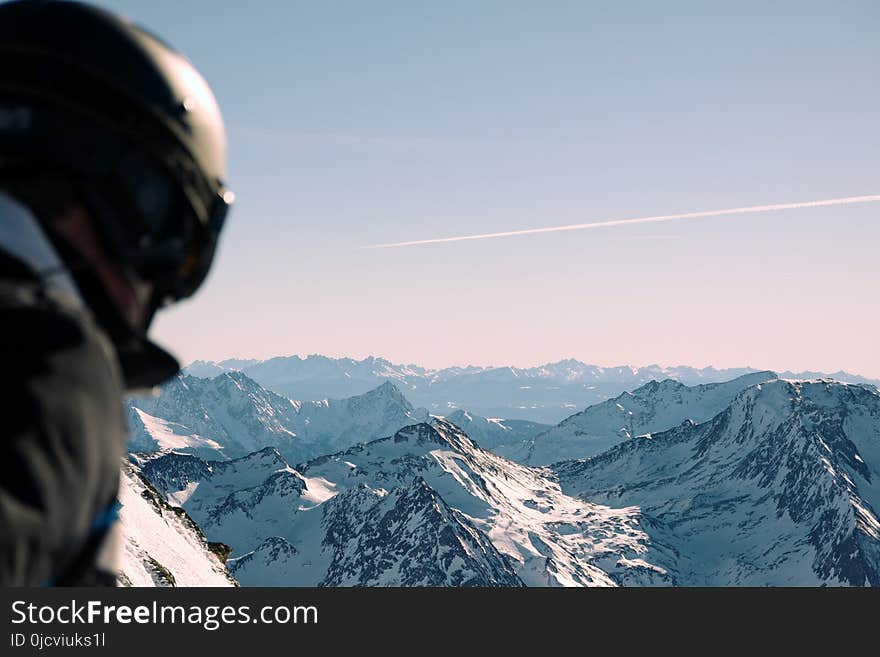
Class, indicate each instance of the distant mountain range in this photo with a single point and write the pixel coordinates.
(546, 394)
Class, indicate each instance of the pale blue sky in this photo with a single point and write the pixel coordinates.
(353, 123)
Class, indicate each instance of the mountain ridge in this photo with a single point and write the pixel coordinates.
(232, 415)
(546, 393)
(754, 481)
(655, 406)
(780, 488)
(510, 518)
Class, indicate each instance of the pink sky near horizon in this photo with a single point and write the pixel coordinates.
(698, 297)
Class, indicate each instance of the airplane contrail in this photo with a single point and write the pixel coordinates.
(636, 220)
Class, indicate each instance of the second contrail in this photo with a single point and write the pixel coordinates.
(636, 220)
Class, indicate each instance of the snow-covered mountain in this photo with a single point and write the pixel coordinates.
(780, 488)
(231, 415)
(160, 544)
(656, 406)
(373, 537)
(424, 506)
(297, 531)
(551, 538)
(492, 432)
(547, 393)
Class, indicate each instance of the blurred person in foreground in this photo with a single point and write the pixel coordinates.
(112, 198)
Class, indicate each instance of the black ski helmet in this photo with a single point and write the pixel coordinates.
(88, 94)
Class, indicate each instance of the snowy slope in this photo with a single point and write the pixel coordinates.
(161, 545)
(148, 433)
(226, 416)
(279, 519)
(656, 406)
(405, 537)
(781, 488)
(231, 415)
(290, 530)
(553, 539)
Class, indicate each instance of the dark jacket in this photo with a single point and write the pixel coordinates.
(62, 433)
